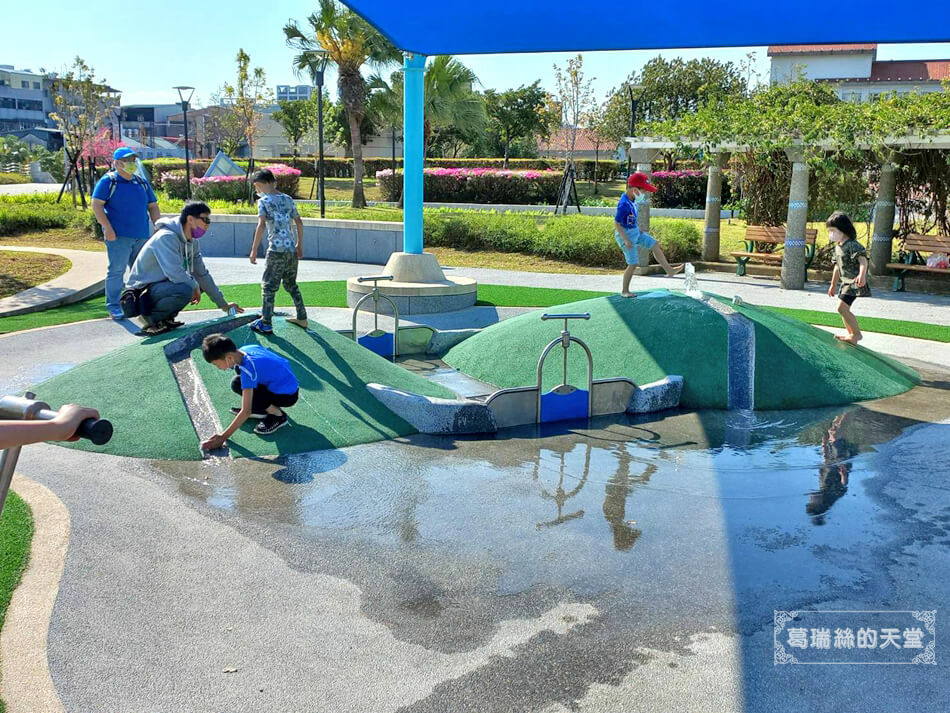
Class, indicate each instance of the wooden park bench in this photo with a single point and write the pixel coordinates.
(764, 234)
(915, 262)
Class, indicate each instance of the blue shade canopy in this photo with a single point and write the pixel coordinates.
(432, 27)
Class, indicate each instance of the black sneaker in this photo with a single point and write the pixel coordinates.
(270, 424)
(237, 409)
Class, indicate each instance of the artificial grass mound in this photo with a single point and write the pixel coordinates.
(634, 338)
(800, 366)
(135, 388)
(662, 333)
(335, 409)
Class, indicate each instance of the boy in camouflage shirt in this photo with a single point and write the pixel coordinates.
(275, 211)
(851, 268)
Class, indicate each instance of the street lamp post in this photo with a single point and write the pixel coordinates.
(317, 68)
(182, 92)
(394, 151)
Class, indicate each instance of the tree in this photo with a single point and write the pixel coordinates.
(451, 105)
(668, 89)
(82, 106)
(593, 122)
(295, 118)
(222, 126)
(517, 113)
(576, 97)
(337, 127)
(350, 42)
(246, 98)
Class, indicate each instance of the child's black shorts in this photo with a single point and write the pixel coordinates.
(848, 298)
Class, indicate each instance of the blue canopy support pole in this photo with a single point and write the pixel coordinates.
(413, 153)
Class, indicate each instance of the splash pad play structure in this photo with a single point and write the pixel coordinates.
(611, 356)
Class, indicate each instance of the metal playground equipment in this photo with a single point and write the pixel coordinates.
(26, 408)
(564, 401)
(384, 343)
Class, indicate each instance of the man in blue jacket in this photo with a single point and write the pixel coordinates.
(125, 206)
(170, 266)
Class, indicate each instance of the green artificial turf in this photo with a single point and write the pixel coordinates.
(332, 293)
(800, 366)
(335, 408)
(135, 388)
(16, 531)
(643, 339)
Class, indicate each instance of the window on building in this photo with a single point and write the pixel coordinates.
(36, 85)
(7, 103)
(24, 85)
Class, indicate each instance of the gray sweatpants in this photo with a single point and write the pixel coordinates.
(166, 299)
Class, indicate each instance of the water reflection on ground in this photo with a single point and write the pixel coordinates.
(569, 503)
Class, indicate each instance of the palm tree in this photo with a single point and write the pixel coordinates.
(449, 98)
(349, 42)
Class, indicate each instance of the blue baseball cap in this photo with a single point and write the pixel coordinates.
(122, 152)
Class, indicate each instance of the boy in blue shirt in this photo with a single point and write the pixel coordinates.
(627, 232)
(125, 206)
(264, 381)
(276, 210)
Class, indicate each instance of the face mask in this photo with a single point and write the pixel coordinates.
(641, 198)
(197, 232)
(128, 166)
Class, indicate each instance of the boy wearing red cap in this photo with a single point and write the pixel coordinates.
(627, 232)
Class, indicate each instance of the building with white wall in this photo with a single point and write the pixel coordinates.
(855, 71)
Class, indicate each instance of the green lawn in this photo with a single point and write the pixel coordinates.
(16, 532)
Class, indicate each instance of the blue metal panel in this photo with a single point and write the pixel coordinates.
(382, 344)
(563, 407)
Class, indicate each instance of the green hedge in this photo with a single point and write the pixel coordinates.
(7, 179)
(579, 239)
(478, 185)
(39, 211)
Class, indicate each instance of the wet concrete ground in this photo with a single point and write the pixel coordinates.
(622, 565)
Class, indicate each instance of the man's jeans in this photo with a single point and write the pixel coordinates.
(122, 253)
(166, 299)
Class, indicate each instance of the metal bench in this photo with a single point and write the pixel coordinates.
(914, 245)
(765, 234)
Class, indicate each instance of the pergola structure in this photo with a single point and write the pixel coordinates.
(645, 149)
(422, 28)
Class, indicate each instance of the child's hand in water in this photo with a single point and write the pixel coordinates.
(213, 443)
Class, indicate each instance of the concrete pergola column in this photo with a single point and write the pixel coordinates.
(883, 236)
(793, 260)
(713, 206)
(644, 161)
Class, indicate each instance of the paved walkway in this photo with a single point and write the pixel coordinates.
(21, 188)
(85, 278)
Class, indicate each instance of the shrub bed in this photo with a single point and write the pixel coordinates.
(40, 211)
(685, 189)
(227, 188)
(478, 185)
(8, 179)
(579, 239)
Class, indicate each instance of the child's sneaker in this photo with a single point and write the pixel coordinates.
(259, 416)
(302, 323)
(270, 424)
(258, 326)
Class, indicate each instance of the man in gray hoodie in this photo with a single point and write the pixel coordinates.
(170, 266)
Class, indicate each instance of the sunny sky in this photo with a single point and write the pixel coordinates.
(194, 43)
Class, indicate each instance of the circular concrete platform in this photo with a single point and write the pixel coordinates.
(418, 286)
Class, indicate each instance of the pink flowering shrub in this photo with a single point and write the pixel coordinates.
(478, 185)
(227, 188)
(684, 189)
